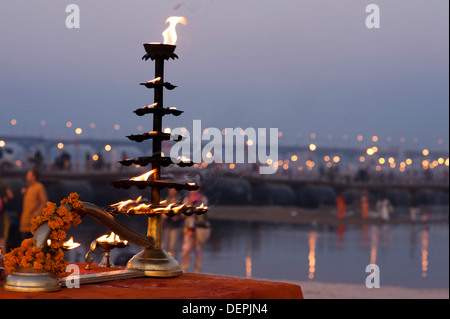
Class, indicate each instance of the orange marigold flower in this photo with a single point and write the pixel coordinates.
(62, 211)
(49, 258)
(49, 210)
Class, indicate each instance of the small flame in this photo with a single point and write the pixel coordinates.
(184, 159)
(124, 203)
(66, 245)
(140, 207)
(143, 177)
(155, 80)
(201, 207)
(170, 35)
(111, 239)
(150, 106)
(70, 244)
(176, 209)
(163, 209)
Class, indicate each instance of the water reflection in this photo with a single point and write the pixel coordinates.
(248, 258)
(373, 244)
(331, 254)
(424, 240)
(340, 236)
(310, 252)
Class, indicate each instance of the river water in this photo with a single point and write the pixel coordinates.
(408, 255)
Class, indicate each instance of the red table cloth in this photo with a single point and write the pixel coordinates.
(186, 286)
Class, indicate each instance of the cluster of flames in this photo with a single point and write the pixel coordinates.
(133, 206)
(109, 239)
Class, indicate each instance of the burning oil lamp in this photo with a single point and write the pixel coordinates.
(154, 261)
(107, 243)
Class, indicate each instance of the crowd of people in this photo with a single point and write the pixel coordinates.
(382, 209)
(343, 172)
(64, 161)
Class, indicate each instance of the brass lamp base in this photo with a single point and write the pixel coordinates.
(106, 261)
(155, 263)
(30, 280)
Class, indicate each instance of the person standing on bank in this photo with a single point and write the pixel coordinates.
(365, 206)
(196, 232)
(34, 200)
(171, 226)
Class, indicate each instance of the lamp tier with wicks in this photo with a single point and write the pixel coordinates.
(156, 135)
(152, 210)
(126, 184)
(163, 161)
(150, 85)
(164, 111)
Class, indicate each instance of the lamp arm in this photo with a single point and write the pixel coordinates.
(106, 220)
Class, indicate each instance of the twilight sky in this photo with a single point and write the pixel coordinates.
(302, 66)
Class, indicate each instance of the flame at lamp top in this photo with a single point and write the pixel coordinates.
(170, 34)
(164, 50)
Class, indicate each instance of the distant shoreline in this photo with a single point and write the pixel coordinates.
(296, 215)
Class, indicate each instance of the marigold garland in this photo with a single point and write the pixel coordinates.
(48, 257)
